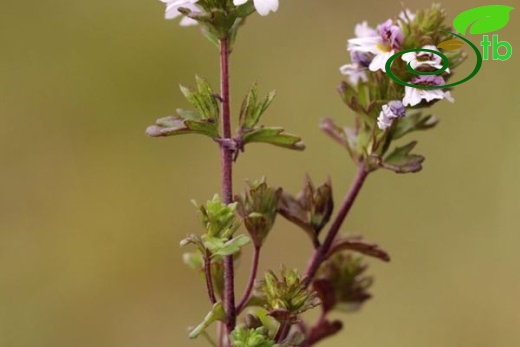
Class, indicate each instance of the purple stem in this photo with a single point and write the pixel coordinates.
(226, 155)
(320, 253)
(252, 278)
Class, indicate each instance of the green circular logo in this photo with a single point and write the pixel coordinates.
(445, 65)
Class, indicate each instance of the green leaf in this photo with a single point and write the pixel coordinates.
(401, 161)
(204, 100)
(252, 110)
(175, 125)
(194, 260)
(482, 20)
(245, 10)
(413, 122)
(274, 136)
(217, 313)
(219, 246)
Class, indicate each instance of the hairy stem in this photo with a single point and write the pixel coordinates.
(226, 155)
(252, 279)
(320, 253)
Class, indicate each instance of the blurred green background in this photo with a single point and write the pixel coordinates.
(92, 210)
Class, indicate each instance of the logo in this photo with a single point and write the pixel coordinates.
(479, 21)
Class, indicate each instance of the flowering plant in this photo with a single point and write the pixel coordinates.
(269, 312)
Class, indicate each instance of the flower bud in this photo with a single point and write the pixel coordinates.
(258, 207)
(310, 209)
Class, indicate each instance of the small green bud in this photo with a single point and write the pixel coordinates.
(245, 337)
(218, 218)
(286, 296)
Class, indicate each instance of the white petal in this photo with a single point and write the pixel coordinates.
(366, 44)
(435, 94)
(379, 61)
(447, 96)
(239, 2)
(408, 57)
(263, 7)
(172, 13)
(187, 21)
(411, 96)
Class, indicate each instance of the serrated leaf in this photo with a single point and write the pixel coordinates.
(483, 19)
(274, 136)
(188, 114)
(349, 95)
(401, 161)
(248, 108)
(359, 245)
(413, 122)
(346, 137)
(223, 247)
(252, 109)
(204, 100)
(217, 313)
(174, 125)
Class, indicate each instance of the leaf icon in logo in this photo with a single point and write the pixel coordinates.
(482, 20)
(451, 45)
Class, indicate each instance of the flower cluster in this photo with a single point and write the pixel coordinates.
(371, 49)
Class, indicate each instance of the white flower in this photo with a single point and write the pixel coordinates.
(382, 43)
(172, 10)
(394, 109)
(263, 7)
(417, 59)
(414, 96)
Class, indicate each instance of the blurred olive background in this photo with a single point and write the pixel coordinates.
(92, 210)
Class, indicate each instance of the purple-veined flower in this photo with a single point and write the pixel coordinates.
(394, 109)
(382, 43)
(172, 10)
(418, 59)
(414, 96)
(263, 7)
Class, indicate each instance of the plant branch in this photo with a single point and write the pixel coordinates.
(226, 156)
(283, 330)
(252, 278)
(320, 253)
(209, 279)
